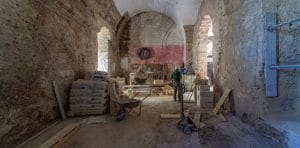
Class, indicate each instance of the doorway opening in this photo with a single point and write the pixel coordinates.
(103, 37)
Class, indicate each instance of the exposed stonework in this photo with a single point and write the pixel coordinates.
(189, 35)
(288, 102)
(239, 57)
(42, 41)
(201, 42)
(56, 40)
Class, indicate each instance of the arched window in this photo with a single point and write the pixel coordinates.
(103, 45)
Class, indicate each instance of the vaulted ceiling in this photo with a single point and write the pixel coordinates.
(184, 12)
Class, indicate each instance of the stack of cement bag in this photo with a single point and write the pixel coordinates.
(89, 97)
(100, 76)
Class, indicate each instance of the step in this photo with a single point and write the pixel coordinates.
(204, 88)
(88, 84)
(87, 92)
(206, 94)
(89, 99)
(207, 105)
(89, 102)
(202, 82)
(87, 106)
(206, 100)
(87, 112)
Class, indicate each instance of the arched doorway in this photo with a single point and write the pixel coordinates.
(103, 37)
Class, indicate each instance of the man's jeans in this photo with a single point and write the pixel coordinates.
(176, 87)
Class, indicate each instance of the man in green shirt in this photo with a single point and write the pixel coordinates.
(176, 77)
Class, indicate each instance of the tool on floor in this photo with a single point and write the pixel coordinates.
(122, 105)
(184, 124)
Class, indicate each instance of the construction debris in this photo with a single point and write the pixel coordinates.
(167, 90)
(158, 82)
(157, 91)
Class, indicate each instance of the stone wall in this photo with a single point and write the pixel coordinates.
(288, 49)
(200, 46)
(43, 41)
(189, 35)
(239, 56)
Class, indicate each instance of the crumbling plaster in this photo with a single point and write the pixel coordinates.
(238, 53)
(42, 41)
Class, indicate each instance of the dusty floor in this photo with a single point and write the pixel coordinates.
(149, 131)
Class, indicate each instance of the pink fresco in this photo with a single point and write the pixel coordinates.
(169, 54)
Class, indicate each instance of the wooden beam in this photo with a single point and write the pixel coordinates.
(170, 116)
(37, 135)
(221, 101)
(60, 143)
(61, 136)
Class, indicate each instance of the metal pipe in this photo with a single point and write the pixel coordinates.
(272, 28)
(274, 67)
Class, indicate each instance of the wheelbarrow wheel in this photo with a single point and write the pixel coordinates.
(121, 114)
(187, 130)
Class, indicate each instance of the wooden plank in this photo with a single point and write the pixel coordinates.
(197, 118)
(61, 143)
(37, 135)
(170, 116)
(56, 139)
(58, 98)
(201, 125)
(221, 101)
(270, 55)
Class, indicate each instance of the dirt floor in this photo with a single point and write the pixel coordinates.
(149, 131)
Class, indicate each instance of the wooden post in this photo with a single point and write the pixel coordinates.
(58, 98)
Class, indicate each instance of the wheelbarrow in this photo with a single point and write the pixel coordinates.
(125, 106)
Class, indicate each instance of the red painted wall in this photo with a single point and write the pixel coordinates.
(169, 54)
